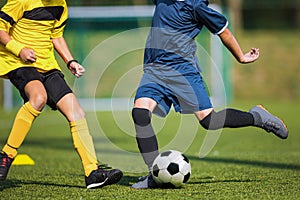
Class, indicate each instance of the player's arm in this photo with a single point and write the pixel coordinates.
(62, 49)
(4, 37)
(9, 15)
(233, 46)
(217, 24)
(26, 54)
(61, 46)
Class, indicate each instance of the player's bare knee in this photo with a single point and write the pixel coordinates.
(141, 116)
(38, 101)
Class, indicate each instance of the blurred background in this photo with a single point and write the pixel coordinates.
(108, 37)
(273, 26)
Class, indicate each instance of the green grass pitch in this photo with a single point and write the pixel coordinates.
(245, 163)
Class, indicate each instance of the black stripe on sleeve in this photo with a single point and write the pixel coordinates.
(64, 23)
(7, 18)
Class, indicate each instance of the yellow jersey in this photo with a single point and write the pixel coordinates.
(32, 23)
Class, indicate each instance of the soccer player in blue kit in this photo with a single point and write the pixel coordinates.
(172, 77)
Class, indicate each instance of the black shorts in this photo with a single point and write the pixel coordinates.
(53, 82)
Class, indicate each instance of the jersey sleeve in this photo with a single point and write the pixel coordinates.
(213, 20)
(10, 13)
(60, 24)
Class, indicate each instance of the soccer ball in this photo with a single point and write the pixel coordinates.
(171, 169)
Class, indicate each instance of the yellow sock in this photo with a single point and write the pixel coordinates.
(84, 145)
(21, 127)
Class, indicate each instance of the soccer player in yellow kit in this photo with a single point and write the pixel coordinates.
(30, 31)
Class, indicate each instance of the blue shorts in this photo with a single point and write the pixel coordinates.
(187, 93)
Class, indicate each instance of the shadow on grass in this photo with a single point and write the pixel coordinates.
(125, 181)
(9, 184)
(249, 162)
(18, 183)
(209, 180)
(128, 180)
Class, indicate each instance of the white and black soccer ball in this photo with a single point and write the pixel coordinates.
(171, 169)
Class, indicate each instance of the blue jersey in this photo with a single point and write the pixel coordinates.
(170, 44)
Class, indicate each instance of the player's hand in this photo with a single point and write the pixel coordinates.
(251, 56)
(76, 69)
(27, 55)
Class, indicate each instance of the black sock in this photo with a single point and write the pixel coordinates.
(230, 118)
(145, 136)
(148, 148)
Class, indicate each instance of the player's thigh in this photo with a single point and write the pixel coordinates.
(70, 107)
(56, 88)
(146, 103)
(29, 82)
(191, 93)
(61, 97)
(36, 93)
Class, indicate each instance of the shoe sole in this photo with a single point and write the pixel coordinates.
(96, 185)
(285, 127)
(112, 179)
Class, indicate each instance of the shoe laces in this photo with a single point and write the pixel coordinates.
(103, 170)
(100, 173)
(5, 161)
(270, 126)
